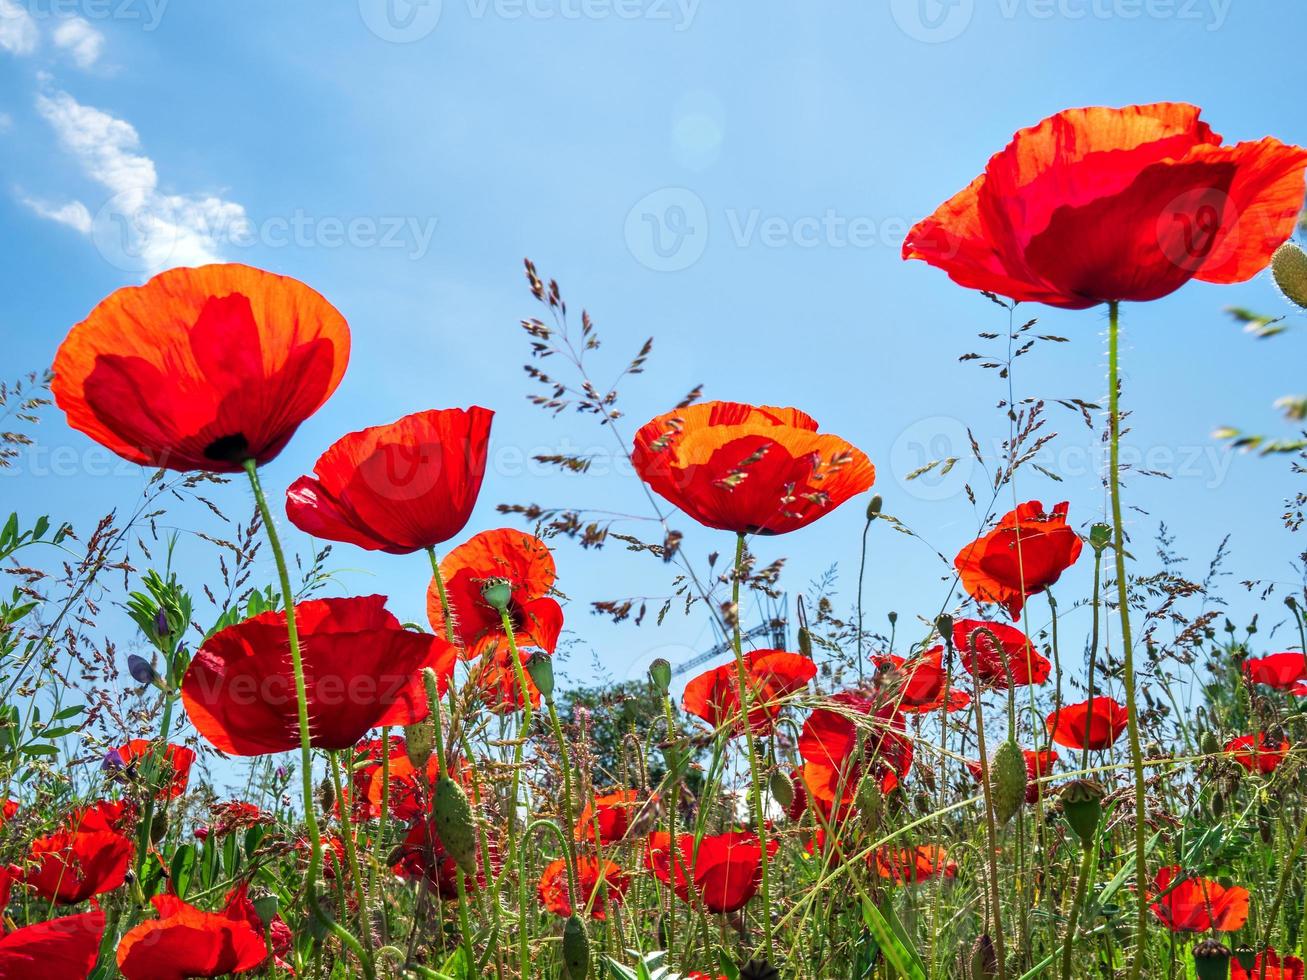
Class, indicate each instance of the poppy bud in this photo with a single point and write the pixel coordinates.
(498, 593)
(1218, 805)
(142, 670)
(327, 795)
(984, 959)
(869, 798)
(805, 642)
(782, 790)
(1209, 744)
(873, 506)
(660, 675)
(159, 827)
(576, 949)
(1100, 536)
(1211, 960)
(1008, 781)
(1291, 602)
(1289, 267)
(419, 743)
(1082, 805)
(893, 617)
(265, 907)
(455, 824)
(541, 669)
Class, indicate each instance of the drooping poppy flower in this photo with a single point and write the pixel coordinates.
(1256, 754)
(1038, 765)
(1268, 965)
(748, 469)
(186, 942)
(409, 787)
(60, 949)
(1282, 671)
(396, 488)
(521, 560)
(1022, 556)
(175, 763)
(830, 742)
(362, 669)
(201, 369)
(237, 905)
(771, 675)
(612, 815)
(990, 665)
(1103, 205)
(918, 686)
(88, 855)
(909, 865)
(497, 681)
(599, 883)
(1198, 904)
(1093, 724)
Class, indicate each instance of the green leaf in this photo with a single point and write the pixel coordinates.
(182, 869)
(900, 954)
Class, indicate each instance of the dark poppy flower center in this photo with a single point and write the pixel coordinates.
(234, 448)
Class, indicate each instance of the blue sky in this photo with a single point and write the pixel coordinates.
(732, 179)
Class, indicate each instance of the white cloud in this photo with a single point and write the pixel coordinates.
(18, 31)
(82, 41)
(138, 228)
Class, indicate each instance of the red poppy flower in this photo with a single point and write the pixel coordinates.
(201, 369)
(176, 761)
(600, 883)
(1022, 556)
(727, 868)
(1255, 754)
(496, 680)
(396, 488)
(696, 975)
(1197, 904)
(186, 942)
(830, 741)
(1038, 765)
(87, 856)
(522, 560)
(60, 949)
(908, 865)
(990, 666)
(918, 685)
(658, 859)
(408, 786)
(1093, 724)
(1097, 205)
(748, 469)
(1282, 671)
(1268, 966)
(611, 814)
(237, 905)
(771, 675)
(7, 811)
(362, 669)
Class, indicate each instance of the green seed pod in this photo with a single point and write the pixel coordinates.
(455, 824)
(782, 790)
(759, 970)
(660, 675)
(1007, 777)
(1247, 957)
(498, 593)
(1211, 960)
(944, 623)
(541, 669)
(265, 907)
(576, 949)
(419, 743)
(984, 959)
(1082, 805)
(1100, 536)
(1289, 267)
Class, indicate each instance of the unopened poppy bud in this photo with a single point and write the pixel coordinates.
(455, 824)
(782, 790)
(265, 907)
(1209, 744)
(576, 949)
(873, 506)
(805, 642)
(1289, 267)
(660, 675)
(498, 593)
(419, 743)
(1082, 805)
(541, 669)
(1008, 781)
(142, 670)
(1211, 960)
(1100, 536)
(1291, 602)
(159, 827)
(984, 959)
(868, 798)
(1218, 805)
(326, 795)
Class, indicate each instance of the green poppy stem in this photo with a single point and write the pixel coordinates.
(1127, 641)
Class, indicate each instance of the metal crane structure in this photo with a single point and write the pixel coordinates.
(774, 626)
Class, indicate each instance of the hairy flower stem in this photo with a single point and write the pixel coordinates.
(524, 730)
(674, 802)
(862, 571)
(351, 851)
(991, 830)
(1127, 641)
(306, 749)
(755, 775)
(1073, 921)
(569, 819)
(1093, 655)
